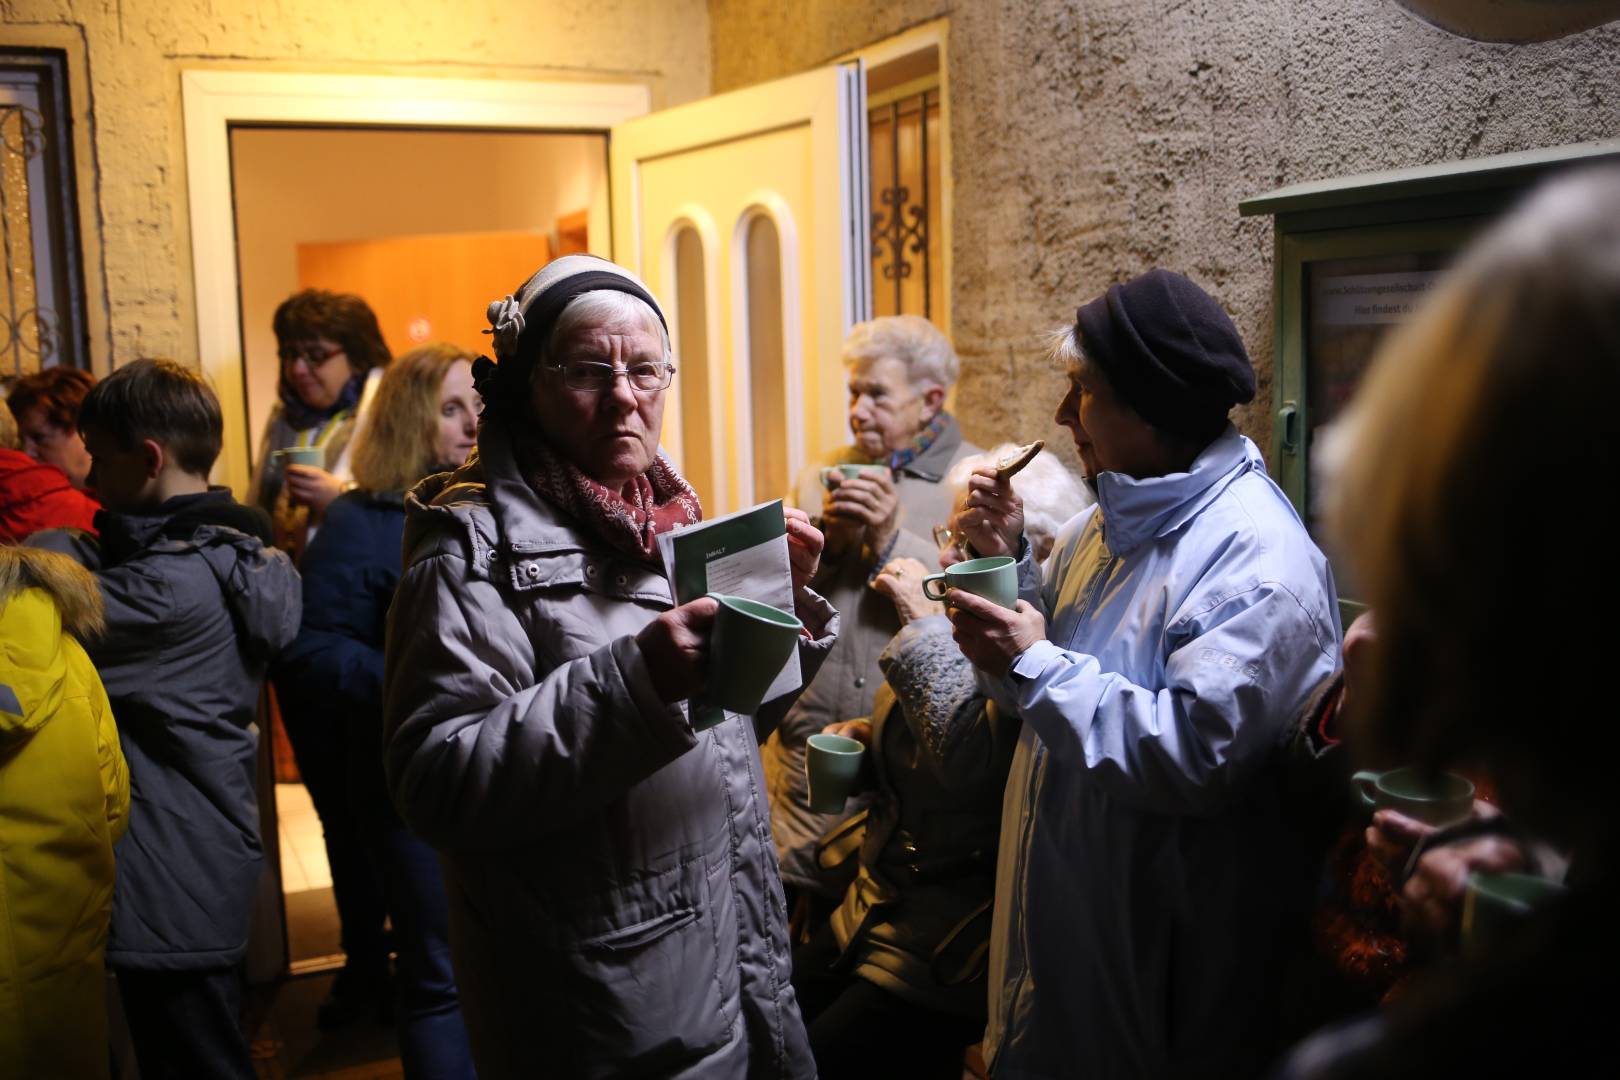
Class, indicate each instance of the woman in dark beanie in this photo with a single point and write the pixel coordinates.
(331, 353)
(615, 908)
(1179, 627)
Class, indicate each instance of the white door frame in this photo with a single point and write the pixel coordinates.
(213, 100)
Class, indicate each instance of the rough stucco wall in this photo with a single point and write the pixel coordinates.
(138, 48)
(1093, 140)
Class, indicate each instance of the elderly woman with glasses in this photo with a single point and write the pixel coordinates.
(614, 902)
(332, 355)
(894, 984)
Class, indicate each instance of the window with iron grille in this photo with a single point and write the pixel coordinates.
(903, 124)
(42, 318)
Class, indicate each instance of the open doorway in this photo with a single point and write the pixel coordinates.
(427, 226)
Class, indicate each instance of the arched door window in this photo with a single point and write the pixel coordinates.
(767, 364)
(692, 358)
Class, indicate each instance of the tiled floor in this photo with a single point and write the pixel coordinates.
(286, 1043)
(303, 852)
(285, 1040)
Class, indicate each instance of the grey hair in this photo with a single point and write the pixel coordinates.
(1064, 348)
(911, 339)
(601, 306)
(1051, 493)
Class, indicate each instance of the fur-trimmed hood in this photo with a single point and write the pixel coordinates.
(41, 595)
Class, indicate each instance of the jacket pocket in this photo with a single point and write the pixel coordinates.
(639, 982)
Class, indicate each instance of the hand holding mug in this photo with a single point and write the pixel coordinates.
(310, 486)
(989, 635)
(859, 730)
(867, 501)
(1432, 900)
(675, 646)
(901, 580)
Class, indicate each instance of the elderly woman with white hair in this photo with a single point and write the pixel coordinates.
(894, 985)
(614, 909)
(900, 370)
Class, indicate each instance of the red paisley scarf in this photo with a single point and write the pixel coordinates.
(656, 501)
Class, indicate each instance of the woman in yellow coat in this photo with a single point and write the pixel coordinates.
(64, 801)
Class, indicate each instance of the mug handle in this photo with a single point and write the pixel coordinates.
(827, 474)
(1365, 782)
(931, 578)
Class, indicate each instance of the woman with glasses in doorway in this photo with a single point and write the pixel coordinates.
(332, 354)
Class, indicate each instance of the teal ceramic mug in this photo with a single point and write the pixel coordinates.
(849, 472)
(1437, 799)
(1497, 904)
(994, 578)
(832, 764)
(748, 647)
(300, 455)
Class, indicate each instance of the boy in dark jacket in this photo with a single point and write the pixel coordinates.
(197, 604)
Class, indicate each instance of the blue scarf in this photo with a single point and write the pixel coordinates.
(302, 417)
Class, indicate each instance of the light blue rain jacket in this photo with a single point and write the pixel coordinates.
(1189, 617)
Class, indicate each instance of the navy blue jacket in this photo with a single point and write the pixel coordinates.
(333, 672)
(197, 605)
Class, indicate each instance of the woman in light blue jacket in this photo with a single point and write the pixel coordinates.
(1181, 623)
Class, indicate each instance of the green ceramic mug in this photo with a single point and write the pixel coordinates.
(849, 472)
(300, 455)
(748, 647)
(1437, 799)
(994, 578)
(1496, 904)
(832, 764)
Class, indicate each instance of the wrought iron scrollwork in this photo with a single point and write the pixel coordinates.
(900, 226)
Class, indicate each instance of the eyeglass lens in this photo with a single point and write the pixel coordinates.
(600, 377)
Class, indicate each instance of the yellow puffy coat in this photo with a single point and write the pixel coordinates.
(64, 801)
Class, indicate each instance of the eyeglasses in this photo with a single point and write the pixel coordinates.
(312, 357)
(947, 540)
(599, 378)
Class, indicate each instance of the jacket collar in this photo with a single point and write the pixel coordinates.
(125, 534)
(1134, 511)
(933, 463)
(512, 533)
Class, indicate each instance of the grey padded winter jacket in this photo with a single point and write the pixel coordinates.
(615, 905)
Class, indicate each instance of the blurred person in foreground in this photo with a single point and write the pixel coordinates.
(1181, 626)
(894, 984)
(901, 367)
(1503, 381)
(64, 803)
(615, 908)
(424, 421)
(34, 495)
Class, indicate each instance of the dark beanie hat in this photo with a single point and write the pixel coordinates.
(1169, 351)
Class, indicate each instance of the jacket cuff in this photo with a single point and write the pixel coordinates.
(667, 724)
(820, 618)
(1011, 690)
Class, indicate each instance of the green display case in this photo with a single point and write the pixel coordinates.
(1353, 258)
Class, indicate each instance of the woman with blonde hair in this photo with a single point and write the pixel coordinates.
(1474, 456)
(424, 420)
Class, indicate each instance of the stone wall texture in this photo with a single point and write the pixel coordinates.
(1093, 140)
(136, 50)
